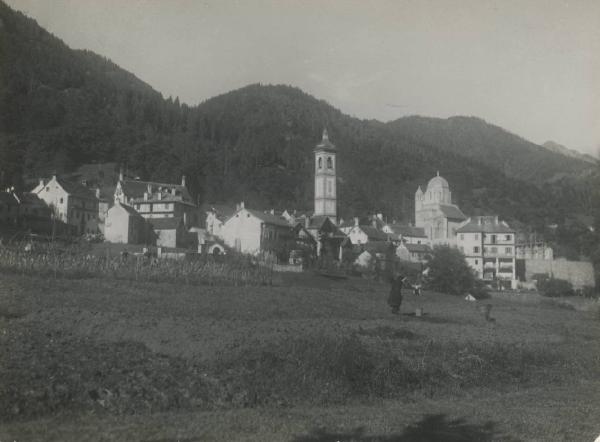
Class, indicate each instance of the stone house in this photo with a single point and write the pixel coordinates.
(407, 251)
(124, 225)
(71, 203)
(407, 234)
(363, 234)
(215, 216)
(255, 232)
(170, 232)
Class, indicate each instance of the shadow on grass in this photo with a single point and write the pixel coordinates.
(432, 428)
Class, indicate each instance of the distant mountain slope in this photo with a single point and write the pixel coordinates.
(474, 138)
(571, 153)
(61, 108)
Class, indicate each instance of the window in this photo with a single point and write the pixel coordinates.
(477, 236)
(508, 250)
(47, 189)
(329, 189)
(320, 162)
(462, 237)
(329, 163)
(475, 249)
(508, 237)
(494, 249)
(476, 261)
(61, 200)
(493, 239)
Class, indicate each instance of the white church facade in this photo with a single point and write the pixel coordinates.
(436, 214)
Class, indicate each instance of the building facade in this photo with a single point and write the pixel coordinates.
(489, 248)
(436, 214)
(253, 232)
(70, 203)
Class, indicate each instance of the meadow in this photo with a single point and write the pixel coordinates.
(302, 359)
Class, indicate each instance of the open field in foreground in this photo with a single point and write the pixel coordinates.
(308, 359)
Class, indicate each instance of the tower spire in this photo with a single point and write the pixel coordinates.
(325, 134)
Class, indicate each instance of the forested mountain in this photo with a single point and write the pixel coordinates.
(559, 148)
(60, 108)
(474, 138)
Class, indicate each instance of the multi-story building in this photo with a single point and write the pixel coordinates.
(70, 203)
(489, 247)
(158, 200)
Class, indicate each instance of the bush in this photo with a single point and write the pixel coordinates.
(480, 290)
(449, 271)
(555, 287)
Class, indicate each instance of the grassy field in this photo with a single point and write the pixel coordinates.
(307, 359)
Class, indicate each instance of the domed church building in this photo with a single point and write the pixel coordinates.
(436, 214)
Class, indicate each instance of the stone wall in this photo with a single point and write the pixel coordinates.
(578, 273)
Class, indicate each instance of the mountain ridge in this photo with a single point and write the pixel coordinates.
(61, 108)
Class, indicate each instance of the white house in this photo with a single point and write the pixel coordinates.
(124, 225)
(489, 247)
(252, 231)
(215, 216)
(363, 234)
(406, 233)
(71, 203)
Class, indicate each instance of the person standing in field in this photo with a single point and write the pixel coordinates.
(395, 297)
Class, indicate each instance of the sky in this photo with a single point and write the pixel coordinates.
(529, 66)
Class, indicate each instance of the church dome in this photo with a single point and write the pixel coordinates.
(438, 181)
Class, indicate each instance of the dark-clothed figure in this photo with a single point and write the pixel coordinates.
(395, 298)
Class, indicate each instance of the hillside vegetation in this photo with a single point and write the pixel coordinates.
(60, 108)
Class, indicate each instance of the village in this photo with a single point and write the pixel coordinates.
(103, 203)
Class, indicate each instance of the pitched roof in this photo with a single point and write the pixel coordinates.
(404, 230)
(130, 210)
(31, 198)
(76, 189)
(165, 223)
(136, 188)
(418, 248)
(373, 234)
(452, 212)
(268, 218)
(472, 227)
(376, 247)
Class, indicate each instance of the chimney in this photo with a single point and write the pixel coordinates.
(173, 190)
(185, 219)
(496, 219)
(380, 216)
(272, 211)
(479, 220)
(306, 222)
(145, 196)
(356, 223)
(121, 173)
(42, 182)
(159, 195)
(183, 180)
(149, 189)
(242, 205)
(98, 192)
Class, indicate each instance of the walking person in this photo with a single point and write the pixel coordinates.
(395, 297)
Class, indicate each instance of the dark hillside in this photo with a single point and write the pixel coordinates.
(474, 138)
(60, 108)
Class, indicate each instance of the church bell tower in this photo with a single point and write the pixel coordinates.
(325, 179)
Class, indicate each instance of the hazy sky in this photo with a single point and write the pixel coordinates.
(532, 67)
